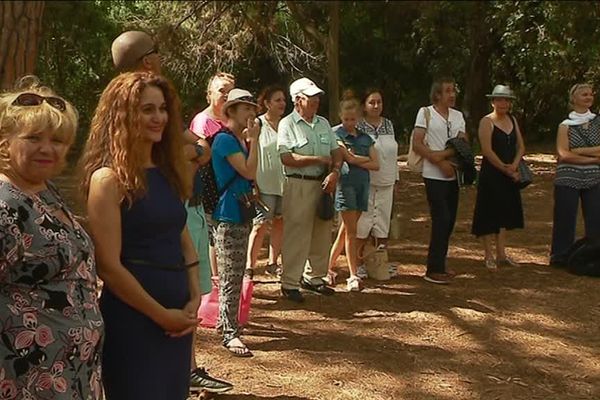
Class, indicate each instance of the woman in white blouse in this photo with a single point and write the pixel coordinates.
(269, 179)
(376, 221)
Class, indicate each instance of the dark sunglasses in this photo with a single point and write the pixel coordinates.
(153, 50)
(32, 99)
(246, 98)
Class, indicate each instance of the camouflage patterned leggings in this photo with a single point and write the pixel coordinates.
(232, 246)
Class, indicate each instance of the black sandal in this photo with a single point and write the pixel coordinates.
(273, 270)
(238, 351)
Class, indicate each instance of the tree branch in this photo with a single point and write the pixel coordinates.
(306, 23)
(196, 9)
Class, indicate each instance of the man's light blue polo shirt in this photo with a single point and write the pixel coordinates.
(295, 135)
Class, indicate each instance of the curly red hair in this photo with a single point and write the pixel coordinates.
(115, 132)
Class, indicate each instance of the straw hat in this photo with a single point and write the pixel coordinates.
(236, 96)
(501, 91)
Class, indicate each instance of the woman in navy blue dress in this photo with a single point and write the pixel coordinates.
(134, 183)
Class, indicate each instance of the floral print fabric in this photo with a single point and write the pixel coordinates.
(50, 325)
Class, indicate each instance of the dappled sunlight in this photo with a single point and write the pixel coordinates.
(525, 332)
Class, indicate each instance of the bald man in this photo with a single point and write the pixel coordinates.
(137, 51)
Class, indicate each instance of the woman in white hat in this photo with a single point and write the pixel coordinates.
(498, 206)
(234, 160)
(577, 174)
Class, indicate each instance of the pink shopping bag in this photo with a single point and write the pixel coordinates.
(209, 307)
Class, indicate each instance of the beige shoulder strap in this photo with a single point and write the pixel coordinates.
(427, 113)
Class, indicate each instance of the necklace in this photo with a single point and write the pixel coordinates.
(273, 124)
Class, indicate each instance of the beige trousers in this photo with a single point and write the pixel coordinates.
(305, 236)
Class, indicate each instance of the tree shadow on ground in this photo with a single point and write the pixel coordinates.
(255, 397)
(493, 298)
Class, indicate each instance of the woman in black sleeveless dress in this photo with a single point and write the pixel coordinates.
(498, 206)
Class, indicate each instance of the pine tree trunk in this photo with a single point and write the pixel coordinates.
(19, 39)
(478, 83)
(333, 63)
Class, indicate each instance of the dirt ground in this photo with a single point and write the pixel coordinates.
(530, 332)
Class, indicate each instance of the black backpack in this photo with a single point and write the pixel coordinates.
(209, 193)
(584, 257)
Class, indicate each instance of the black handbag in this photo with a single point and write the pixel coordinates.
(247, 207)
(325, 209)
(525, 175)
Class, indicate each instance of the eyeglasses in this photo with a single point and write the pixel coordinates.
(33, 99)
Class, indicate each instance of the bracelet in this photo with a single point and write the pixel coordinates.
(192, 264)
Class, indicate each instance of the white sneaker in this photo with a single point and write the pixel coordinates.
(393, 271)
(330, 278)
(509, 262)
(490, 264)
(354, 284)
(362, 272)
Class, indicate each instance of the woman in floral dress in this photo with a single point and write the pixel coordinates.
(50, 326)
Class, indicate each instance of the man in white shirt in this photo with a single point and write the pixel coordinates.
(434, 125)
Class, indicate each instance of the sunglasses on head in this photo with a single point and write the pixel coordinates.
(33, 99)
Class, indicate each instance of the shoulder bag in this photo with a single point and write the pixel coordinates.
(415, 161)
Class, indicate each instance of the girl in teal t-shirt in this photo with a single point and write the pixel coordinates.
(352, 193)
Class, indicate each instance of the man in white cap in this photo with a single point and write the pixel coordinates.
(137, 51)
(312, 161)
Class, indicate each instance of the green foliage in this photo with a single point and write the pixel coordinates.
(540, 48)
(74, 54)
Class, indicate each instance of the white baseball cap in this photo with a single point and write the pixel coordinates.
(304, 86)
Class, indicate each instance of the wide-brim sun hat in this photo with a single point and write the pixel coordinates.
(306, 87)
(237, 96)
(501, 91)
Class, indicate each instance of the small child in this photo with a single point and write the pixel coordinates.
(352, 193)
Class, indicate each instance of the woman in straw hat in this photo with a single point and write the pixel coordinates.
(498, 206)
(234, 160)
